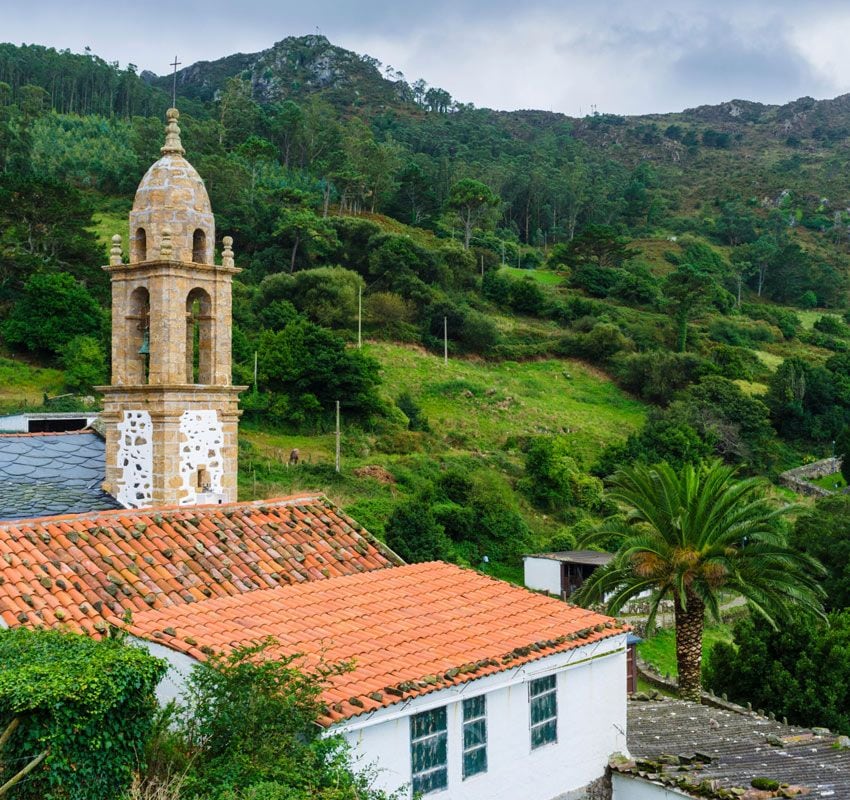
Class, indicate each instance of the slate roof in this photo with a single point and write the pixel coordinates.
(737, 744)
(52, 473)
(84, 570)
(585, 557)
(409, 630)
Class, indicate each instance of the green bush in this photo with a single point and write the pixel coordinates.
(786, 670)
(52, 309)
(658, 375)
(85, 364)
(740, 334)
(787, 321)
(89, 704)
(735, 362)
(831, 325)
(808, 299)
(553, 478)
(416, 420)
(414, 532)
(249, 728)
(597, 346)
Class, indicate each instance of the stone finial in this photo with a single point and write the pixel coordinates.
(172, 134)
(115, 258)
(165, 245)
(227, 252)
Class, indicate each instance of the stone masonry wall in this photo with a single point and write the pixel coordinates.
(798, 479)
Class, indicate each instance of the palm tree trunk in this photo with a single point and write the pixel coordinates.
(689, 626)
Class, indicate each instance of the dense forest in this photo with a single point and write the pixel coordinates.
(613, 291)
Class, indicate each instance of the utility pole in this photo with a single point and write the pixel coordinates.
(445, 341)
(482, 265)
(337, 435)
(255, 372)
(360, 317)
(503, 254)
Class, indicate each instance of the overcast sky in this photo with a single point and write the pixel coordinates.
(623, 56)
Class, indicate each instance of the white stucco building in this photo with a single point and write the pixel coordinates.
(561, 573)
(463, 687)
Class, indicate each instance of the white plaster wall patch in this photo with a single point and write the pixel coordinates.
(201, 462)
(135, 459)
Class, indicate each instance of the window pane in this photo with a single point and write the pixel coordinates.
(431, 781)
(543, 708)
(545, 733)
(429, 753)
(474, 707)
(427, 723)
(474, 761)
(475, 733)
(542, 685)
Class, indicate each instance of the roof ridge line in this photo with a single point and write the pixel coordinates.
(290, 500)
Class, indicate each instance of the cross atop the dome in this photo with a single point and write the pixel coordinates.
(174, 64)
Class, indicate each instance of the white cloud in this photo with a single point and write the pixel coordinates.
(624, 56)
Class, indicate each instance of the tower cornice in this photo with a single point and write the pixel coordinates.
(170, 267)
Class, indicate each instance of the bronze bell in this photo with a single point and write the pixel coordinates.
(145, 349)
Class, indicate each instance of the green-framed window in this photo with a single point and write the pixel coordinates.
(543, 702)
(474, 736)
(429, 751)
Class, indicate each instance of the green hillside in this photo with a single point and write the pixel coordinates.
(612, 290)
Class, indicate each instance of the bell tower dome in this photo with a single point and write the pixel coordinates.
(170, 413)
(172, 195)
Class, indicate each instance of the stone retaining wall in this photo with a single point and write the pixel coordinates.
(798, 479)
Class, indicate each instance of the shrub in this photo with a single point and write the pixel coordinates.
(553, 479)
(250, 728)
(599, 345)
(527, 297)
(51, 311)
(808, 299)
(596, 281)
(636, 287)
(831, 325)
(416, 420)
(741, 334)
(735, 362)
(414, 533)
(787, 321)
(88, 704)
(785, 670)
(658, 375)
(308, 368)
(85, 364)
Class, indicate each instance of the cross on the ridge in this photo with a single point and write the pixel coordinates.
(174, 64)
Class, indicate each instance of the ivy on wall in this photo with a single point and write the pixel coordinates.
(87, 704)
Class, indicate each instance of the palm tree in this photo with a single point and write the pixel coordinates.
(690, 536)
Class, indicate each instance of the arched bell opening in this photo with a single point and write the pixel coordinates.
(138, 323)
(199, 246)
(198, 337)
(140, 245)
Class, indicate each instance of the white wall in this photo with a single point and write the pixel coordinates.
(542, 574)
(591, 726)
(627, 788)
(591, 683)
(179, 666)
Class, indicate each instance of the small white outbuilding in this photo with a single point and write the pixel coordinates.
(562, 573)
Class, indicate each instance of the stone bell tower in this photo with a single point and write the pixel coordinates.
(170, 414)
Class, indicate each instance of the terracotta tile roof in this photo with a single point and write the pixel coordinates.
(81, 570)
(409, 630)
